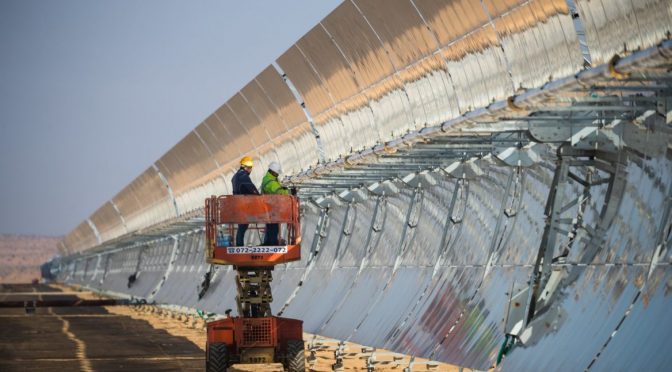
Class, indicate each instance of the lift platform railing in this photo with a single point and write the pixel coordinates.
(223, 216)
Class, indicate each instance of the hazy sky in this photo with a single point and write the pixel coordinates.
(93, 92)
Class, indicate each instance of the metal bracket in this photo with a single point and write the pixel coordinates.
(515, 195)
(378, 220)
(383, 188)
(464, 169)
(346, 230)
(205, 284)
(412, 217)
(329, 201)
(320, 233)
(422, 179)
(377, 223)
(462, 189)
(169, 269)
(354, 196)
(514, 149)
(97, 267)
(645, 133)
(508, 209)
(86, 267)
(133, 277)
(105, 270)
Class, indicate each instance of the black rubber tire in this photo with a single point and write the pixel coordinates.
(295, 358)
(218, 358)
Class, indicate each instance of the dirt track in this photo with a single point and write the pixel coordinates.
(137, 338)
(191, 328)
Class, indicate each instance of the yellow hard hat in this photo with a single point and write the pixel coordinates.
(247, 161)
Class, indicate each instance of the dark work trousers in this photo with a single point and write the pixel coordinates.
(271, 236)
(240, 235)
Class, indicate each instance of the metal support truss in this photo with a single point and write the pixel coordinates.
(565, 221)
(346, 231)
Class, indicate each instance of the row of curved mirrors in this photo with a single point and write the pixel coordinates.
(479, 180)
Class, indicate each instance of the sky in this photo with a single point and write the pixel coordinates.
(93, 92)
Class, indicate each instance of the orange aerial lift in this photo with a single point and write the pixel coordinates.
(255, 336)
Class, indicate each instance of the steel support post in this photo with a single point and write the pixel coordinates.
(96, 268)
(70, 270)
(133, 277)
(498, 225)
(461, 188)
(205, 284)
(346, 230)
(410, 223)
(547, 246)
(169, 268)
(665, 229)
(320, 234)
(106, 270)
(377, 223)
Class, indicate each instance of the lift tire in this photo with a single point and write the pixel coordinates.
(218, 358)
(295, 357)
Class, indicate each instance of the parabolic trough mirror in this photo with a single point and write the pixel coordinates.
(481, 183)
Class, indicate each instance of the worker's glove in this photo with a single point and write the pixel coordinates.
(293, 191)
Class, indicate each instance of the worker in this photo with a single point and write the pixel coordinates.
(271, 185)
(242, 185)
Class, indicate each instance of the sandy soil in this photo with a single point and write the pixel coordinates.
(76, 290)
(193, 328)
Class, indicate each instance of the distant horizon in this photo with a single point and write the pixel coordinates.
(32, 235)
(21, 256)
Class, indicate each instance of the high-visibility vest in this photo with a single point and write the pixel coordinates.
(271, 185)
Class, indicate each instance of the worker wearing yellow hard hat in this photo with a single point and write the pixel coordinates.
(247, 161)
(242, 185)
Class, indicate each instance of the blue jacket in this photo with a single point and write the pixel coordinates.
(242, 184)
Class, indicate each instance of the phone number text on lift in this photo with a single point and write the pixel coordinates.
(257, 250)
